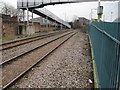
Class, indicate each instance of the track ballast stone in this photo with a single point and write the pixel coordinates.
(66, 67)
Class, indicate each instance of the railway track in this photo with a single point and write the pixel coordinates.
(15, 43)
(16, 51)
(13, 69)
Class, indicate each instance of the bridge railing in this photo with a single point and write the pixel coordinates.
(39, 3)
(105, 40)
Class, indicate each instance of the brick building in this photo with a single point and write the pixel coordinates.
(80, 22)
(83, 21)
(0, 27)
(9, 25)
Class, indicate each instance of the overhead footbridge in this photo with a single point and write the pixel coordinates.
(41, 3)
(50, 16)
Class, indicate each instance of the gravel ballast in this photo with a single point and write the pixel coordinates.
(66, 67)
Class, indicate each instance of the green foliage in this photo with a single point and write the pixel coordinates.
(89, 59)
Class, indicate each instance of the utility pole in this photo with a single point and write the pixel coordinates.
(91, 14)
(99, 2)
(103, 17)
(98, 10)
(46, 23)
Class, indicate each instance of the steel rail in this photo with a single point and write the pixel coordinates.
(20, 75)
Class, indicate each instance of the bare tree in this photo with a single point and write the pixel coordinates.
(1, 5)
(13, 11)
(9, 10)
(5, 9)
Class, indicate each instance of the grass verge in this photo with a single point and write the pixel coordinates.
(94, 67)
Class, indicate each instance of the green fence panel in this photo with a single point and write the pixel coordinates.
(105, 39)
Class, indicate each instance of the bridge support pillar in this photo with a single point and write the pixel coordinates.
(55, 25)
(61, 27)
(30, 26)
(30, 30)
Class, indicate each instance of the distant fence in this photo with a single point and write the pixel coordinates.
(105, 40)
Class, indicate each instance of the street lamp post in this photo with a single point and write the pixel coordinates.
(99, 2)
(111, 16)
(92, 12)
(103, 17)
(98, 7)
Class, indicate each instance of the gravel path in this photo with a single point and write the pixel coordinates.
(67, 67)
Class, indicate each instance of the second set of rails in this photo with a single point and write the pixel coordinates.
(15, 43)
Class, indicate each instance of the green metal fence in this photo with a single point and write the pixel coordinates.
(105, 39)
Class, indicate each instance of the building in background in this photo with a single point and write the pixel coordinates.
(9, 25)
(117, 20)
(80, 22)
(44, 24)
(83, 21)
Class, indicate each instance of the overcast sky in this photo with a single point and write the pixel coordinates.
(69, 12)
